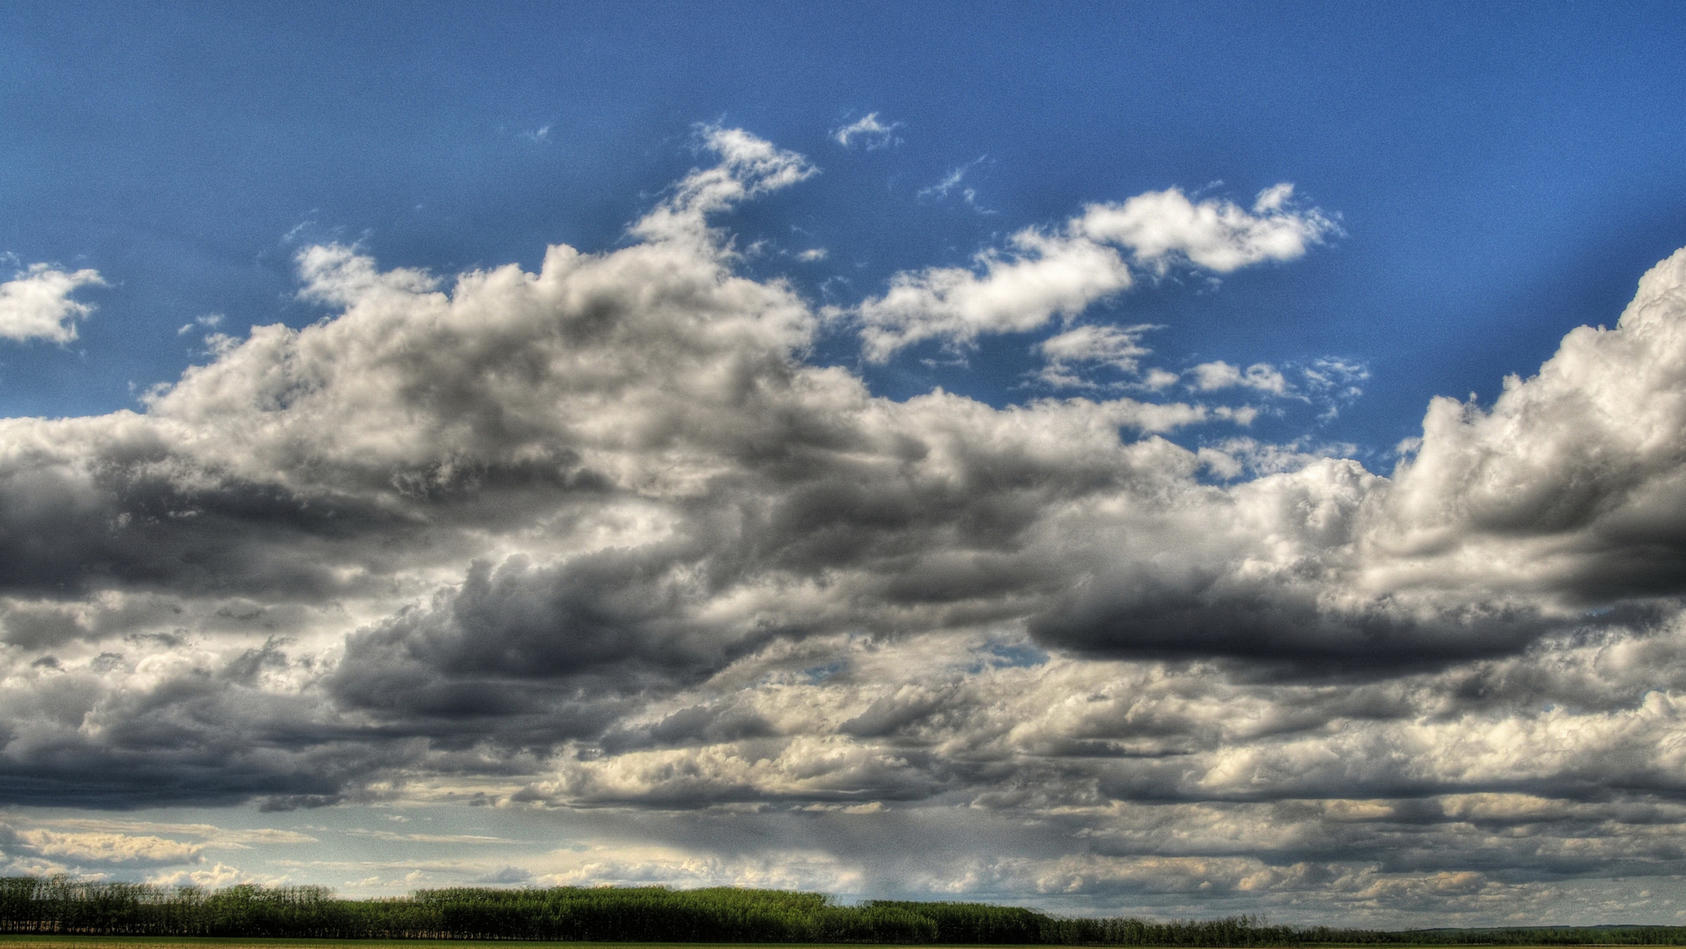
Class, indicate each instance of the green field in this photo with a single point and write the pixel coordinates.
(208, 942)
(145, 942)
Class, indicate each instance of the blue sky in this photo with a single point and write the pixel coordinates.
(925, 335)
(1501, 174)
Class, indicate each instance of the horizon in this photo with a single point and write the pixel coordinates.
(1170, 460)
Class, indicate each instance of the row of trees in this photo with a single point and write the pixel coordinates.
(654, 914)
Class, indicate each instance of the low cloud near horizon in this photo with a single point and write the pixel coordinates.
(604, 538)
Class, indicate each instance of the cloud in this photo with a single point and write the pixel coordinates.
(36, 303)
(209, 321)
(1068, 356)
(749, 166)
(215, 878)
(1260, 377)
(867, 131)
(951, 182)
(210, 835)
(1043, 276)
(602, 536)
(1163, 228)
(99, 850)
(1047, 274)
(1327, 383)
(1335, 382)
(1571, 482)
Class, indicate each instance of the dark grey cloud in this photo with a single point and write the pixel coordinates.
(1217, 615)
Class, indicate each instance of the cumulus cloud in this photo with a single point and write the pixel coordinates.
(1163, 228)
(36, 303)
(1044, 274)
(1041, 277)
(1572, 480)
(214, 878)
(603, 536)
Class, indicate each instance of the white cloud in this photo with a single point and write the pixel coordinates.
(749, 166)
(1260, 377)
(1337, 374)
(949, 183)
(214, 878)
(209, 321)
(1157, 379)
(36, 303)
(1335, 382)
(1043, 275)
(1113, 345)
(868, 131)
(1070, 356)
(952, 182)
(1162, 228)
(210, 835)
(107, 849)
(1548, 487)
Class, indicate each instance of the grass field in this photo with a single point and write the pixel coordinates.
(175, 942)
(209, 942)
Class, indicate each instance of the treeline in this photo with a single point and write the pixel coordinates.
(1506, 936)
(63, 905)
(567, 914)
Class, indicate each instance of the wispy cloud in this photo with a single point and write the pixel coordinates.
(749, 166)
(1069, 358)
(951, 185)
(1260, 377)
(209, 321)
(868, 131)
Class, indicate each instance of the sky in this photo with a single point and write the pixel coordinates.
(1158, 459)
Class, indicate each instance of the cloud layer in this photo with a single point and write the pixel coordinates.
(603, 538)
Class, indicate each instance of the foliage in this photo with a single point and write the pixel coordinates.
(61, 905)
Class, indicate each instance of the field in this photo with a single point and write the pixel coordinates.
(144, 942)
(62, 913)
(213, 942)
